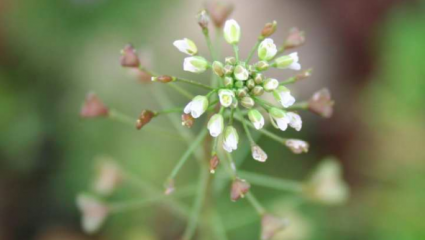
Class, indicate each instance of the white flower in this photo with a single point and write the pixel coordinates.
(108, 177)
(256, 118)
(283, 95)
(258, 153)
(294, 120)
(186, 46)
(297, 146)
(93, 212)
(216, 125)
(241, 73)
(278, 118)
(226, 96)
(289, 61)
(232, 31)
(267, 49)
(231, 139)
(270, 84)
(197, 106)
(195, 64)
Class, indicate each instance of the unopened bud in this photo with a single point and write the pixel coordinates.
(144, 118)
(214, 161)
(257, 90)
(93, 107)
(295, 39)
(297, 146)
(230, 60)
(269, 29)
(247, 102)
(262, 66)
(250, 83)
(241, 73)
(187, 120)
(239, 188)
(258, 78)
(321, 103)
(228, 70)
(218, 68)
(129, 57)
(239, 84)
(163, 79)
(228, 82)
(242, 92)
(219, 11)
(169, 187)
(270, 225)
(270, 84)
(258, 153)
(203, 20)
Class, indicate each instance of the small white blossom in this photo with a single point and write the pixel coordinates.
(108, 177)
(197, 106)
(232, 31)
(283, 95)
(195, 64)
(267, 49)
(294, 120)
(278, 118)
(258, 153)
(241, 73)
(216, 125)
(186, 46)
(231, 139)
(256, 118)
(297, 146)
(270, 84)
(226, 97)
(289, 61)
(93, 211)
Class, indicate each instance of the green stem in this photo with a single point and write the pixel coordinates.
(299, 106)
(182, 91)
(209, 44)
(194, 83)
(218, 226)
(187, 154)
(171, 110)
(271, 182)
(121, 117)
(255, 203)
(288, 81)
(248, 133)
(236, 50)
(263, 103)
(253, 50)
(263, 131)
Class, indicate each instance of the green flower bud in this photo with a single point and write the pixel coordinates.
(247, 102)
(270, 84)
(232, 31)
(258, 78)
(250, 83)
(257, 90)
(242, 92)
(228, 70)
(218, 68)
(256, 118)
(262, 66)
(230, 60)
(228, 82)
(239, 84)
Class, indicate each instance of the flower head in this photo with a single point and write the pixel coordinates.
(93, 107)
(241, 73)
(297, 146)
(294, 120)
(256, 118)
(267, 49)
(129, 57)
(216, 124)
(283, 95)
(197, 106)
(232, 31)
(270, 84)
(231, 139)
(279, 118)
(195, 64)
(239, 188)
(226, 97)
(258, 153)
(289, 61)
(321, 103)
(186, 45)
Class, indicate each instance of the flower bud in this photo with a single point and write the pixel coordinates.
(297, 146)
(247, 102)
(270, 225)
(228, 70)
(258, 78)
(296, 38)
(283, 95)
(268, 29)
(239, 84)
(232, 31)
(326, 185)
(270, 84)
(169, 187)
(241, 73)
(108, 177)
(144, 118)
(93, 107)
(186, 45)
(230, 60)
(226, 97)
(278, 118)
(242, 92)
(267, 49)
(214, 161)
(129, 57)
(197, 106)
(250, 84)
(218, 68)
(239, 188)
(219, 12)
(163, 79)
(288, 61)
(234, 103)
(257, 90)
(231, 139)
(196, 64)
(228, 82)
(187, 120)
(256, 118)
(216, 125)
(258, 153)
(94, 212)
(203, 20)
(321, 103)
(262, 66)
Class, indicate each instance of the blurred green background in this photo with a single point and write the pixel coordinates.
(369, 53)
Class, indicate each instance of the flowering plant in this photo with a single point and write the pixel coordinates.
(235, 94)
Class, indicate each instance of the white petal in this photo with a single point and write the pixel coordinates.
(295, 66)
(286, 99)
(282, 123)
(181, 45)
(188, 108)
(295, 121)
